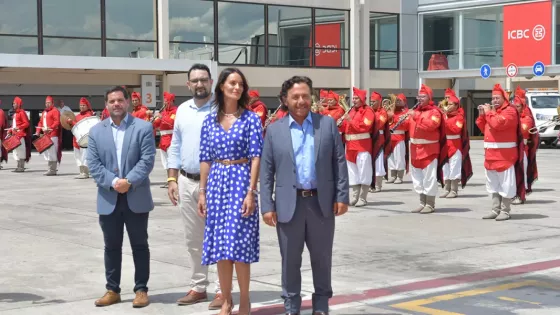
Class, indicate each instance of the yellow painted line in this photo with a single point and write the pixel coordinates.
(418, 305)
(505, 298)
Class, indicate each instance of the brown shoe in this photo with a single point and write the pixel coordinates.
(110, 298)
(192, 297)
(141, 299)
(217, 302)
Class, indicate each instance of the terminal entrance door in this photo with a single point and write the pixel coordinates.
(475, 98)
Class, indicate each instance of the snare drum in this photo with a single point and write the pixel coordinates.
(12, 143)
(43, 143)
(81, 130)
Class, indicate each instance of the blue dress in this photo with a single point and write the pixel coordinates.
(228, 235)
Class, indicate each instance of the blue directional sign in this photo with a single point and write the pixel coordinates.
(485, 71)
(538, 68)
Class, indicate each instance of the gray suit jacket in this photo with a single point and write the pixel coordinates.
(137, 159)
(278, 170)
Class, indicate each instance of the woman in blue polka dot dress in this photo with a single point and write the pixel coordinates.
(230, 149)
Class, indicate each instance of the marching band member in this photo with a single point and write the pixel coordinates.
(80, 153)
(357, 128)
(502, 158)
(105, 114)
(255, 105)
(20, 129)
(333, 108)
(448, 94)
(428, 149)
(323, 97)
(139, 110)
(3, 125)
(49, 125)
(164, 121)
(530, 141)
(397, 162)
(381, 141)
(459, 167)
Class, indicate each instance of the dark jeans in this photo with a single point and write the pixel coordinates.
(112, 226)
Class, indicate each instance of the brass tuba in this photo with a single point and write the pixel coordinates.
(316, 104)
(390, 103)
(443, 105)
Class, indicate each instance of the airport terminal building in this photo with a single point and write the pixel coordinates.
(69, 49)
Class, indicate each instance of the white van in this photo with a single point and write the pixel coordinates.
(544, 105)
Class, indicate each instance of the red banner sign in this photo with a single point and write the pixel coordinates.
(327, 45)
(527, 34)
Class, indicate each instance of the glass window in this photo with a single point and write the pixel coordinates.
(241, 54)
(482, 37)
(191, 51)
(18, 45)
(72, 47)
(131, 49)
(240, 33)
(440, 42)
(18, 17)
(556, 40)
(131, 19)
(383, 41)
(72, 18)
(191, 21)
(331, 38)
(289, 36)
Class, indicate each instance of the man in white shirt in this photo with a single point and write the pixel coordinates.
(183, 172)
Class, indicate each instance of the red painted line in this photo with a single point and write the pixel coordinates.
(419, 285)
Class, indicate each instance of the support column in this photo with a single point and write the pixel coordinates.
(163, 28)
(553, 36)
(365, 45)
(355, 45)
(460, 43)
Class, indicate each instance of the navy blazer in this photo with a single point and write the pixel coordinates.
(138, 157)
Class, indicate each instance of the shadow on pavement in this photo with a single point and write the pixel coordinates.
(472, 196)
(451, 210)
(533, 201)
(25, 297)
(543, 189)
(527, 216)
(256, 297)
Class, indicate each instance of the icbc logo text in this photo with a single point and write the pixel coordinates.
(538, 33)
(325, 49)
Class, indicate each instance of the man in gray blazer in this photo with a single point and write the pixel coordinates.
(303, 163)
(121, 154)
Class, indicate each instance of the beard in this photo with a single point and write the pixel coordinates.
(201, 94)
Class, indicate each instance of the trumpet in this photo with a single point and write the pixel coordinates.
(404, 117)
(444, 105)
(551, 122)
(271, 117)
(345, 106)
(316, 106)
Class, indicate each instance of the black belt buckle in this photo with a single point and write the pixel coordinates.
(195, 177)
(307, 192)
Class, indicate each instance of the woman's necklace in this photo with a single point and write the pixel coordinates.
(231, 115)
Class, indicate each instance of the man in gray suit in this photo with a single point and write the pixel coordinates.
(121, 154)
(303, 161)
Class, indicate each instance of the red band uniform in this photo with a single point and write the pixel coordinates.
(49, 125)
(458, 168)
(20, 128)
(140, 111)
(398, 156)
(333, 108)
(503, 153)
(530, 140)
(256, 106)
(165, 122)
(357, 129)
(105, 114)
(381, 141)
(428, 149)
(3, 133)
(80, 154)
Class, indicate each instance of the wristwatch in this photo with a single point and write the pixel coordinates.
(128, 182)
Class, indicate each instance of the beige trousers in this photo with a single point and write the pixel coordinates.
(194, 233)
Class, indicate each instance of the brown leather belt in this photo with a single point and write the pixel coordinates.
(231, 162)
(306, 192)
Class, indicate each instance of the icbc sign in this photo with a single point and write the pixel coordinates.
(526, 37)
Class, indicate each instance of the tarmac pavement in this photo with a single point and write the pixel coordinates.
(386, 259)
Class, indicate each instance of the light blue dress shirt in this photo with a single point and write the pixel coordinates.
(304, 152)
(118, 138)
(184, 151)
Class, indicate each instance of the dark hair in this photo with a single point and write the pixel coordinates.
(288, 84)
(199, 66)
(219, 94)
(117, 89)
